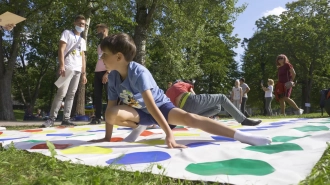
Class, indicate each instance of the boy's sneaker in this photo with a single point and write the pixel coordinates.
(67, 122)
(95, 121)
(48, 123)
(250, 122)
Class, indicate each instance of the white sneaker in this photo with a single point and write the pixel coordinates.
(300, 111)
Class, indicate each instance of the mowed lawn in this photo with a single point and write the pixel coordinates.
(22, 167)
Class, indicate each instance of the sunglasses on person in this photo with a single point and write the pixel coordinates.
(280, 58)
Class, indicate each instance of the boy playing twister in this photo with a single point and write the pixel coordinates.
(145, 103)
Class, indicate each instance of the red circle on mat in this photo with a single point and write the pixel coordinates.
(146, 133)
(179, 129)
(116, 139)
(57, 146)
(32, 130)
(1, 133)
(63, 127)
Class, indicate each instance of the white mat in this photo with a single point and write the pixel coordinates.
(297, 145)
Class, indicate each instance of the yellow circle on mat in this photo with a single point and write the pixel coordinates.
(79, 129)
(236, 126)
(153, 142)
(87, 150)
(103, 126)
(270, 120)
(185, 134)
(44, 132)
(2, 135)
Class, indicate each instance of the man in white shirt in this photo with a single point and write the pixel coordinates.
(245, 89)
(100, 76)
(72, 65)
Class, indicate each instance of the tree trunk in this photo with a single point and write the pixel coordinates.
(6, 73)
(143, 19)
(6, 104)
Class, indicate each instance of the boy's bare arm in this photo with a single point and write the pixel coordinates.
(155, 112)
(158, 116)
(109, 126)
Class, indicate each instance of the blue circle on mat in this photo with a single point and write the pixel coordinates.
(96, 131)
(63, 134)
(222, 138)
(8, 139)
(282, 123)
(124, 128)
(140, 157)
(193, 145)
(251, 129)
(269, 126)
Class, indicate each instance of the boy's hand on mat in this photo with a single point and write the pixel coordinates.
(172, 144)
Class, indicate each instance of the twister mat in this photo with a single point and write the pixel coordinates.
(297, 145)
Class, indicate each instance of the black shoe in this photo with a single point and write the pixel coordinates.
(249, 122)
(95, 121)
(67, 122)
(48, 123)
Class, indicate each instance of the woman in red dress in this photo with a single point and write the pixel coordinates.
(283, 89)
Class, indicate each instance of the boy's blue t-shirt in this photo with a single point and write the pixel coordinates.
(138, 80)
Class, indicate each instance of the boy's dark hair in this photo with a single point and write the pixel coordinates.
(242, 79)
(122, 43)
(79, 17)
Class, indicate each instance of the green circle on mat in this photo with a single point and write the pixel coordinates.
(231, 167)
(277, 148)
(310, 128)
(286, 138)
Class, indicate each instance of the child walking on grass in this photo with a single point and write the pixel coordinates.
(145, 103)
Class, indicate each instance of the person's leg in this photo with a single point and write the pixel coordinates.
(237, 104)
(270, 106)
(243, 105)
(245, 111)
(291, 103)
(57, 102)
(267, 105)
(56, 105)
(70, 95)
(199, 104)
(282, 105)
(105, 86)
(97, 97)
(180, 117)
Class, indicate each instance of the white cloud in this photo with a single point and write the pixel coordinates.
(275, 11)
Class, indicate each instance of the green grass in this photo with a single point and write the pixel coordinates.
(19, 115)
(18, 167)
(21, 167)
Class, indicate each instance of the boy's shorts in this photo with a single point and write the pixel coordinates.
(147, 119)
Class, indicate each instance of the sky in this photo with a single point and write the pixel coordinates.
(256, 9)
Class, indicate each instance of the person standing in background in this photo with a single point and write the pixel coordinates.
(286, 75)
(72, 65)
(268, 96)
(245, 89)
(237, 95)
(100, 76)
